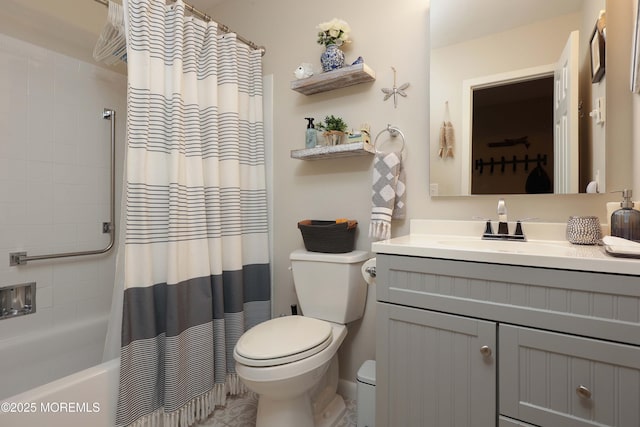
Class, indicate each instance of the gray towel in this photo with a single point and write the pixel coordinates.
(388, 193)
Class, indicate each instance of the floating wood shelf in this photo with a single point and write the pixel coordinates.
(336, 79)
(333, 151)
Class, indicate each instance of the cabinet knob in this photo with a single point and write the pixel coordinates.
(485, 350)
(583, 392)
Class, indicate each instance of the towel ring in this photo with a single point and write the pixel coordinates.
(394, 132)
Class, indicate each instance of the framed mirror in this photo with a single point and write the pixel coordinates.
(497, 70)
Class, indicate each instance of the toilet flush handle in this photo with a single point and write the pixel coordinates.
(371, 271)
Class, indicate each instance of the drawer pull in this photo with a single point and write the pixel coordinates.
(583, 392)
(485, 350)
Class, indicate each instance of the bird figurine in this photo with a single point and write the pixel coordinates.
(395, 91)
(304, 70)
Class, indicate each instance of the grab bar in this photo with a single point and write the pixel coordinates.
(21, 258)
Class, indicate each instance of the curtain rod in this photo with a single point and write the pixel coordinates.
(208, 18)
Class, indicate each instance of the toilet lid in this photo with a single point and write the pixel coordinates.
(283, 340)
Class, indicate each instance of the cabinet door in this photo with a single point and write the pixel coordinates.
(433, 369)
(559, 380)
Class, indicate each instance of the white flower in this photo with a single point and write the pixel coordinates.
(335, 31)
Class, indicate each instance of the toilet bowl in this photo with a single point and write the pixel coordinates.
(291, 362)
(284, 388)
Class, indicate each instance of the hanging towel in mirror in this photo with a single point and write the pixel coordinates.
(388, 193)
(447, 140)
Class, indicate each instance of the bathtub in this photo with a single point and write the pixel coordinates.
(55, 378)
(86, 398)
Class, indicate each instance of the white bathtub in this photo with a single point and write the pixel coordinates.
(55, 378)
(86, 398)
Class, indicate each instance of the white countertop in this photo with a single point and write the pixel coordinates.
(545, 247)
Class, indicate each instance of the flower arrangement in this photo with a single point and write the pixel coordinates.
(335, 32)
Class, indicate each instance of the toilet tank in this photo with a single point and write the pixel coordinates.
(330, 286)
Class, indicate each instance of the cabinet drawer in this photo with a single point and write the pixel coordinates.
(602, 306)
(508, 422)
(552, 379)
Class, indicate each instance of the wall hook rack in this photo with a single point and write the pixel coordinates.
(540, 159)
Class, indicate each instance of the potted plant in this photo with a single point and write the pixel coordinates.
(334, 129)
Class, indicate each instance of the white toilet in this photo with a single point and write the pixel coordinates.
(291, 362)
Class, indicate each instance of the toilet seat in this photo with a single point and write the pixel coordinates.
(283, 340)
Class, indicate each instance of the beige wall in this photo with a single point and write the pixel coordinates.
(386, 34)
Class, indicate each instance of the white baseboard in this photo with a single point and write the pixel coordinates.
(347, 389)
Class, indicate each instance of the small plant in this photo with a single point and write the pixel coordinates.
(332, 123)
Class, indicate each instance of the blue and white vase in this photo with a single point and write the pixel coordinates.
(332, 58)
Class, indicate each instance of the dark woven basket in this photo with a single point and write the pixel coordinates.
(328, 236)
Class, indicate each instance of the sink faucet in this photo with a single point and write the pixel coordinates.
(503, 226)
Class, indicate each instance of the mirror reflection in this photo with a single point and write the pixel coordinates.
(511, 95)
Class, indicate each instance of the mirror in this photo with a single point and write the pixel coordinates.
(475, 44)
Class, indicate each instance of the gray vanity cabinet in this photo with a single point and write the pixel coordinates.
(476, 344)
(436, 374)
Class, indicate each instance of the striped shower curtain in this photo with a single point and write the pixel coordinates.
(196, 250)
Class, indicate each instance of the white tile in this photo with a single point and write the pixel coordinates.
(13, 213)
(44, 297)
(55, 142)
(65, 234)
(63, 313)
(75, 270)
(39, 171)
(23, 325)
(92, 307)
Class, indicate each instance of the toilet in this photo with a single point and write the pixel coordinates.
(291, 362)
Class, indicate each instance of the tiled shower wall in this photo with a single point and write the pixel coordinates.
(54, 180)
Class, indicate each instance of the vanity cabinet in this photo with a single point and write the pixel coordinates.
(437, 373)
(478, 344)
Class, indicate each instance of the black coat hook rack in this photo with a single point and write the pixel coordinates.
(540, 159)
(510, 142)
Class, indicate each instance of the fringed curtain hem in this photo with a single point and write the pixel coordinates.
(198, 409)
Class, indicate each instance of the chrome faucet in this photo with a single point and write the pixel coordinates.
(503, 226)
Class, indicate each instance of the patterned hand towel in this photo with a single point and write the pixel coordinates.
(388, 193)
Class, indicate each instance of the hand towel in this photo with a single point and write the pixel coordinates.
(447, 140)
(618, 246)
(388, 193)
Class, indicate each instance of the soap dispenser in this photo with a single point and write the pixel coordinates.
(310, 139)
(625, 222)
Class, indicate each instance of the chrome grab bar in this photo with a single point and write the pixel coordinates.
(21, 258)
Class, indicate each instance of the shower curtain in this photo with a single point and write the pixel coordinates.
(196, 268)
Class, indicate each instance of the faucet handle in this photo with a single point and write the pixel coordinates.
(519, 231)
(528, 219)
(488, 229)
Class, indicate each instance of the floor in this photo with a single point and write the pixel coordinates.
(241, 412)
